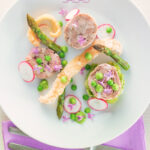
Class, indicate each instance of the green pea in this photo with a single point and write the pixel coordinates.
(40, 88)
(99, 76)
(39, 61)
(73, 117)
(99, 88)
(44, 83)
(61, 54)
(42, 69)
(93, 83)
(87, 67)
(64, 63)
(73, 87)
(60, 23)
(72, 100)
(87, 110)
(64, 79)
(80, 114)
(88, 56)
(115, 87)
(108, 29)
(71, 80)
(64, 49)
(85, 97)
(48, 58)
(110, 82)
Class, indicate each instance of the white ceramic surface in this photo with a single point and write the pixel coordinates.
(19, 99)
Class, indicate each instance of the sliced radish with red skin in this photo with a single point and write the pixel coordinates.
(71, 14)
(76, 107)
(102, 33)
(97, 104)
(26, 71)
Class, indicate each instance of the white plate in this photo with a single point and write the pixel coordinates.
(20, 100)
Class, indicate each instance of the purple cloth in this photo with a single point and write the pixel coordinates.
(133, 139)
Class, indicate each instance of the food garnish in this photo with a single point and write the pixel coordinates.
(73, 87)
(26, 71)
(60, 105)
(124, 64)
(106, 31)
(43, 85)
(87, 110)
(71, 14)
(97, 104)
(72, 104)
(85, 97)
(80, 117)
(44, 39)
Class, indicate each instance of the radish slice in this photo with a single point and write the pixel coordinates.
(72, 108)
(102, 33)
(71, 14)
(97, 104)
(26, 71)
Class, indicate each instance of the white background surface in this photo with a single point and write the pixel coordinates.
(142, 4)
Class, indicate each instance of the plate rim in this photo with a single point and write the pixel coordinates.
(96, 143)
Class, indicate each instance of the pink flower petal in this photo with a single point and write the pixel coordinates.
(63, 12)
(65, 118)
(57, 67)
(80, 118)
(82, 71)
(48, 68)
(70, 106)
(81, 40)
(91, 116)
(35, 50)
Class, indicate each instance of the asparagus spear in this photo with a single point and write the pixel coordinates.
(44, 39)
(113, 55)
(60, 105)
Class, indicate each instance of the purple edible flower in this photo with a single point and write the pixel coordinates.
(65, 118)
(108, 75)
(63, 12)
(35, 50)
(57, 67)
(82, 71)
(108, 91)
(48, 68)
(90, 116)
(80, 118)
(81, 40)
(101, 82)
(37, 68)
(70, 106)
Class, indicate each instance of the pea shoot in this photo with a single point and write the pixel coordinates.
(62, 55)
(99, 88)
(93, 83)
(73, 87)
(64, 63)
(88, 56)
(64, 49)
(64, 79)
(108, 29)
(85, 97)
(99, 76)
(39, 61)
(60, 23)
(72, 100)
(87, 110)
